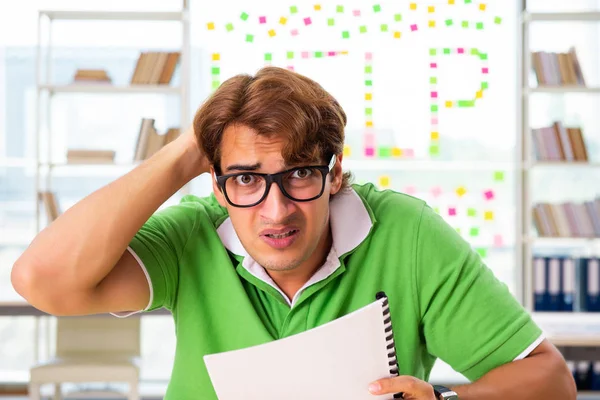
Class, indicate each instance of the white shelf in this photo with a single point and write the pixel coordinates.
(564, 164)
(590, 16)
(113, 15)
(16, 162)
(108, 88)
(423, 165)
(562, 241)
(561, 89)
(91, 164)
(570, 329)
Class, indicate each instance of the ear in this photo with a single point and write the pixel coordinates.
(338, 173)
(216, 189)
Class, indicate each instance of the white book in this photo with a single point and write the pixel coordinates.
(337, 360)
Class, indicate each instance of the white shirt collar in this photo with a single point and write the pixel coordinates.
(350, 224)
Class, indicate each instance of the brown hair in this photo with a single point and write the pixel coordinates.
(275, 102)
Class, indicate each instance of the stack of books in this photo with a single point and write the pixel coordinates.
(559, 143)
(155, 68)
(149, 141)
(568, 219)
(84, 156)
(557, 69)
(91, 76)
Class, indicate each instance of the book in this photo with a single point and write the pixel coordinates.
(83, 156)
(155, 68)
(337, 360)
(51, 205)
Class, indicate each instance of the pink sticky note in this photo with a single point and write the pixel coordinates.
(307, 21)
(434, 95)
(290, 67)
(413, 27)
(356, 13)
(409, 153)
(460, 50)
(262, 20)
(370, 140)
(452, 211)
(489, 195)
(410, 190)
(368, 56)
(436, 191)
(485, 70)
(498, 241)
(433, 65)
(369, 151)
(434, 121)
(305, 54)
(294, 32)
(331, 53)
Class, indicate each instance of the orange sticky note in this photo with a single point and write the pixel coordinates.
(272, 32)
(347, 150)
(435, 135)
(448, 104)
(482, 7)
(283, 20)
(431, 9)
(413, 6)
(488, 216)
(384, 181)
(461, 191)
(216, 56)
(396, 152)
(479, 94)
(368, 96)
(397, 35)
(210, 26)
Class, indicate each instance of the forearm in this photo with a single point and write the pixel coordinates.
(81, 246)
(540, 376)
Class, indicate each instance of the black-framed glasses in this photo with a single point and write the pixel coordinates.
(247, 189)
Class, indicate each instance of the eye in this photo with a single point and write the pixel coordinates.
(245, 180)
(302, 173)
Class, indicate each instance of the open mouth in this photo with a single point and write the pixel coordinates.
(282, 235)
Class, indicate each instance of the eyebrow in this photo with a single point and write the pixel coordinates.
(243, 167)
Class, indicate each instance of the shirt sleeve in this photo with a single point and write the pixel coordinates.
(469, 318)
(158, 247)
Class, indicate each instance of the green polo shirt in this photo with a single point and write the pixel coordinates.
(444, 301)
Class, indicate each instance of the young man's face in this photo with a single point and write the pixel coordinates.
(279, 233)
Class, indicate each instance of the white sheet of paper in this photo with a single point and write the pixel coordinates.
(336, 360)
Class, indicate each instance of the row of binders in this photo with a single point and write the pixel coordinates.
(155, 68)
(559, 143)
(555, 69)
(570, 220)
(149, 141)
(566, 284)
(586, 374)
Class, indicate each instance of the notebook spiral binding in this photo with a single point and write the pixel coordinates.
(389, 338)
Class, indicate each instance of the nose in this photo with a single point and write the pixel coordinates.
(276, 207)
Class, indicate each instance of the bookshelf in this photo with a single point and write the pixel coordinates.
(47, 90)
(562, 328)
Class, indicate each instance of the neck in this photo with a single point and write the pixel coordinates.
(291, 281)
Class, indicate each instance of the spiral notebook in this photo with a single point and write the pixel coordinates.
(336, 360)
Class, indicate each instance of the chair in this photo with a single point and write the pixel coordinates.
(91, 349)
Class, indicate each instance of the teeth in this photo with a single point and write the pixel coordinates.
(281, 235)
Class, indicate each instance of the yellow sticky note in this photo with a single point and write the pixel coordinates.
(488, 216)
(396, 152)
(413, 6)
(397, 35)
(448, 104)
(317, 7)
(384, 181)
(272, 32)
(450, 1)
(479, 94)
(345, 52)
(210, 26)
(432, 24)
(283, 20)
(482, 7)
(368, 96)
(347, 150)
(216, 56)
(431, 9)
(461, 191)
(369, 124)
(435, 135)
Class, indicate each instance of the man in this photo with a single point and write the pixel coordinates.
(285, 245)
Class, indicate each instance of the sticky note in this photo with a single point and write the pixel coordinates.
(331, 53)
(356, 13)
(384, 181)
(497, 20)
(488, 216)
(368, 111)
(413, 6)
(499, 176)
(396, 152)
(317, 7)
(434, 150)
(468, 1)
(450, 2)
(368, 55)
(434, 108)
(449, 22)
(409, 153)
(283, 20)
(474, 231)
(434, 95)
(436, 191)
(385, 152)
(330, 22)
(290, 67)
(216, 56)
(414, 27)
(339, 9)
(433, 65)
(465, 24)
(318, 54)
(347, 151)
(448, 104)
(307, 21)
(345, 34)
(498, 241)
(474, 52)
(229, 27)
(471, 212)
(484, 85)
(384, 27)
(268, 56)
(461, 191)
(294, 32)
(431, 9)
(244, 16)
(488, 194)
(272, 32)
(368, 82)
(482, 7)
(483, 56)
(368, 96)
(457, 230)
(482, 252)
(436, 210)
(479, 25)
(397, 17)
(434, 121)
(262, 20)
(376, 8)
(410, 190)
(290, 55)
(249, 38)
(466, 103)
(452, 211)
(293, 10)
(215, 84)
(210, 26)
(485, 70)
(431, 24)
(447, 50)
(433, 80)
(369, 151)
(397, 35)
(460, 50)
(362, 29)
(432, 52)
(215, 70)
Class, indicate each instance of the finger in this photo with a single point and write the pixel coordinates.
(405, 384)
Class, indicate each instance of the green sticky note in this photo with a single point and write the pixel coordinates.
(385, 152)
(433, 80)
(368, 82)
(449, 22)
(466, 103)
(497, 20)
(479, 25)
(474, 52)
(318, 54)
(483, 56)
(467, 1)
(474, 232)
(345, 34)
(229, 27)
(368, 69)
(268, 56)
(434, 108)
(339, 9)
(432, 52)
(244, 16)
(376, 8)
(384, 28)
(215, 70)
(368, 111)
(484, 85)
(436, 210)
(447, 51)
(398, 17)
(363, 29)
(330, 21)
(465, 24)
(215, 84)
(249, 38)
(457, 230)
(482, 251)
(434, 150)
(499, 176)
(293, 10)
(471, 212)
(290, 55)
